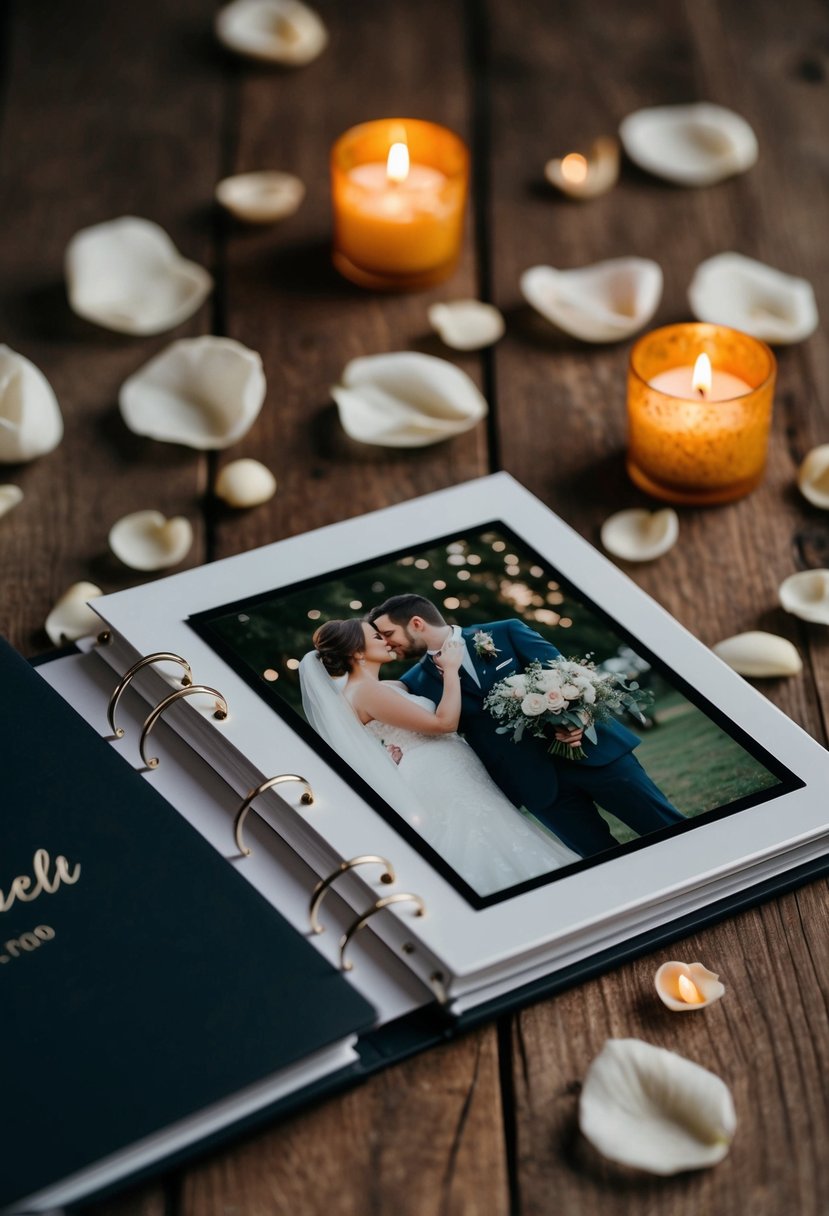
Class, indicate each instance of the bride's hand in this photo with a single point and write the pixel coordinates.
(449, 656)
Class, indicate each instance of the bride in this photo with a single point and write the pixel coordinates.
(403, 745)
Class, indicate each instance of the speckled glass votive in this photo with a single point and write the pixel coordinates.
(693, 449)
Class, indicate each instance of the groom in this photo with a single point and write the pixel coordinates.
(561, 793)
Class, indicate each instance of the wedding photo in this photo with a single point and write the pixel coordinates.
(498, 717)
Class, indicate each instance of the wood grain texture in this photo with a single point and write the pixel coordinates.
(112, 110)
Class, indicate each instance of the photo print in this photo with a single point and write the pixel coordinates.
(499, 719)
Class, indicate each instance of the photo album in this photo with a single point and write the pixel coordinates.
(458, 756)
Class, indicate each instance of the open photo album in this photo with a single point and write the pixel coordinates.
(461, 756)
(681, 784)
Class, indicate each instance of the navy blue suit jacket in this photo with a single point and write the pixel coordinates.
(525, 771)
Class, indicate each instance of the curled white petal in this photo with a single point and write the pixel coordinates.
(813, 477)
(261, 198)
(276, 31)
(467, 324)
(146, 540)
(694, 145)
(586, 174)
(30, 418)
(673, 989)
(654, 1110)
(405, 400)
(759, 654)
(127, 275)
(202, 392)
(730, 289)
(807, 595)
(606, 302)
(245, 483)
(640, 536)
(72, 618)
(10, 497)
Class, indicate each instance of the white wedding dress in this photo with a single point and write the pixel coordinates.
(463, 815)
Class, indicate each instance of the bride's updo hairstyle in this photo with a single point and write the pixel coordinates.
(336, 643)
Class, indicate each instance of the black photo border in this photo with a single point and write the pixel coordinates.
(202, 622)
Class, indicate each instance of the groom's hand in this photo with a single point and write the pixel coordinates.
(569, 735)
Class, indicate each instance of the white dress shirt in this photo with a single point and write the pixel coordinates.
(466, 661)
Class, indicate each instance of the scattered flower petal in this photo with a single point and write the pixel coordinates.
(406, 400)
(146, 540)
(759, 654)
(694, 145)
(72, 618)
(730, 289)
(807, 595)
(245, 483)
(467, 324)
(276, 31)
(640, 536)
(588, 174)
(261, 198)
(30, 418)
(813, 477)
(606, 302)
(685, 986)
(654, 1110)
(10, 497)
(202, 392)
(127, 275)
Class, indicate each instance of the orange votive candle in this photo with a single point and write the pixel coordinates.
(398, 188)
(698, 431)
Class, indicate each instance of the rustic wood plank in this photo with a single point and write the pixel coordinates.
(421, 1139)
(108, 111)
(561, 430)
(284, 298)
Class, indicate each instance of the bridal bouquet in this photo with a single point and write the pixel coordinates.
(561, 693)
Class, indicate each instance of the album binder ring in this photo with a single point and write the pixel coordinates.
(397, 898)
(388, 876)
(241, 815)
(160, 656)
(220, 714)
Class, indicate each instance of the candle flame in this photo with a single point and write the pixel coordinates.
(574, 168)
(688, 990)
(397, 165)
(701, 379)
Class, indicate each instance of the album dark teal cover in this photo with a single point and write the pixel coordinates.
(141, 978)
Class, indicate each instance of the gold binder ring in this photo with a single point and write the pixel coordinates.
(398, 898)
(322, 886)
(220, 714)
(159, 657)
(241, 815)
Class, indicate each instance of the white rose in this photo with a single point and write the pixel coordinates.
(549, 680)
(533, 704)
(515, 681)
(555, 701)
(569, 692)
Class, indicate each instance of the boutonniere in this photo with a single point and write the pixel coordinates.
(485, 648)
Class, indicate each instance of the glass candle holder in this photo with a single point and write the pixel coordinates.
(699, 446)
(398, 228)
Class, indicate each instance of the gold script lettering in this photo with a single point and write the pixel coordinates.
(64, 872)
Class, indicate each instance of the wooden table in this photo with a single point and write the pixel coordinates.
(113, 109)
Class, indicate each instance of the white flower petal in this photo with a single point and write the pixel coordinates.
(813, 477)
(261, 198)
(730, 289)
(654, 1110)
(202, 392)
(640, 536)
(127, 275)
(694, 145)
(759, 654)
(10, 497)
(30, 418)
(806, 595)
(276, 31)
(71, 618)
(405, 400)
(245, 483)
(705, 986)
(466, 324)
(605, 302)
(146, 540)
